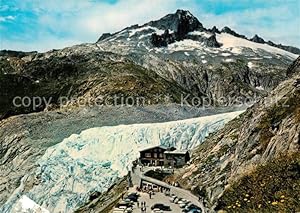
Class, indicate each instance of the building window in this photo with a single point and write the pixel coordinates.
(161, 155)
(148, 155)
(155, 155)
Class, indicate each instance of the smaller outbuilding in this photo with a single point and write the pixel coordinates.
(176, 158)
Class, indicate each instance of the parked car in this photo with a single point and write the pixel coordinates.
(133, 197)
(157, 211)
(117, 210)
(129, 210)
(161, 207)
(195, 211)
(124, 204)
(172, 198)
(182, 204)
(177, 200)
(191, 208)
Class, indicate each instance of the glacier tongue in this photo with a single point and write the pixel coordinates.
(96, 158)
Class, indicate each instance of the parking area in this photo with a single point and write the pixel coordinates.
(158, 197)
(167, 198)
(161, 202)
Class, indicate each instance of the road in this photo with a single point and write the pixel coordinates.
(137, 175)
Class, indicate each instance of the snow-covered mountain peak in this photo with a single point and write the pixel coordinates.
(180, 26)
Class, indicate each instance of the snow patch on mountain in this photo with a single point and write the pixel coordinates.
(226, 54)
(154, 29)
(186, 44)
(204, 34)
(251, 65)
(229, 60)
(229, 41)
(260, 88)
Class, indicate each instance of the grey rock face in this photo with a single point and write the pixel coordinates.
(294, 67)
(104, 36)
(182, 22)
(163, 40)
(211, 41)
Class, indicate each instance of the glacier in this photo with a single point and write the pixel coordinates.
(96, 158)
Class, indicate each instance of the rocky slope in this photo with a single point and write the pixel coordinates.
(252, 164)
(172, 56)
(98, 77)
(208, 62)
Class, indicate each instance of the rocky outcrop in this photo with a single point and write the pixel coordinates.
(267, 133)
(214, 30)
(294, 67)
(104, 36)
(163, 40)
(211, 41)
(232, 32)
(180, 23)
(291, 49)
(260, 40)
(257, 39)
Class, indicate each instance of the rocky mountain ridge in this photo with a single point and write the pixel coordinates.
(199, 63)
(177, 26)
(211, 64)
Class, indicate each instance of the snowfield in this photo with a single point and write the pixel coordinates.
(96, 158)
(154, 29)
(231, 42)
(231, 46)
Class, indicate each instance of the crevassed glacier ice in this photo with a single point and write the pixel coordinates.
(26, 205)
(96, 158)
